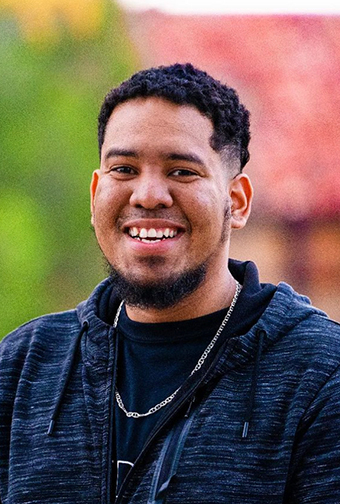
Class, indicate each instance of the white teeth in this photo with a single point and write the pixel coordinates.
(152, 233)
(150, 241)
(155, 235)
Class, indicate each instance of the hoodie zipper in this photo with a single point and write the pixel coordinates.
(167, 463)
(173, 409)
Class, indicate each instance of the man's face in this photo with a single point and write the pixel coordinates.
(160, 200)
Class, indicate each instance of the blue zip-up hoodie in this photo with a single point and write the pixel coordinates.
(259, 423)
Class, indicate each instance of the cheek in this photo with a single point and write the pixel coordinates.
(207, 207)
(107, 202)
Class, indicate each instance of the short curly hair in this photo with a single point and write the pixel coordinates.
(183, 84)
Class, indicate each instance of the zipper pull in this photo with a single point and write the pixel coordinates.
(187, 413)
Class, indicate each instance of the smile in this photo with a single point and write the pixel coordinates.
(152, 235)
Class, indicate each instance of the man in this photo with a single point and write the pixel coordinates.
(180, 380)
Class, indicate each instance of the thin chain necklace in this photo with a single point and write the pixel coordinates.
(198, 366)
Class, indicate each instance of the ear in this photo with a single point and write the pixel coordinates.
(93, 189)
(241, 195)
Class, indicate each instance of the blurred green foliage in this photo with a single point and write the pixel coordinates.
(51, 91)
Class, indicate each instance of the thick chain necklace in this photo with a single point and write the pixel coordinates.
(198, 366)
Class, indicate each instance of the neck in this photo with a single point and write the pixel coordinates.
(212, 295)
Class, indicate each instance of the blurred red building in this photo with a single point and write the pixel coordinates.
(287, 72)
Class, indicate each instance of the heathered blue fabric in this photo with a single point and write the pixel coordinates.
(291, 454)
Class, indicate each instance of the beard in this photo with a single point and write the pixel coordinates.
(158, 295)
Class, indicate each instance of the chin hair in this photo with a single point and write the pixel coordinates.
(158, 295)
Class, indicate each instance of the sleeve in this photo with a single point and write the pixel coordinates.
(315, 468)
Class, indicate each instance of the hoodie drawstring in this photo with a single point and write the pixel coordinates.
(261, 336)
(60, 398)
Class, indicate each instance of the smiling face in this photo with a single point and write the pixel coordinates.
(162, 198)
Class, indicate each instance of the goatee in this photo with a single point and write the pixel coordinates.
(158, 295)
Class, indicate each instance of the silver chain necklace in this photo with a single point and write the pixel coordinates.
(198, 366)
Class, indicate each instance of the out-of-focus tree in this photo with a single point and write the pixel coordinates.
(42, 20)
(58, 59)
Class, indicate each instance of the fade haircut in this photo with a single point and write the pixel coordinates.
(183, 84)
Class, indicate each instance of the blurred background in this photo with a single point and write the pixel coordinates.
(59, 58)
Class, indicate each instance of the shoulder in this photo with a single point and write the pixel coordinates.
(293, 314)
(49, 337)
(43, 324)
(319, 324)
(319, 334)
(36, 337)
(302, 339)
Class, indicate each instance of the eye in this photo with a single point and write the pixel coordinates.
(183, 172)
(123, 170)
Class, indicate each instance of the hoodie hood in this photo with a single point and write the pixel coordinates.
(286, 310)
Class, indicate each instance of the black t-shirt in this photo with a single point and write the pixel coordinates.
(155, 359)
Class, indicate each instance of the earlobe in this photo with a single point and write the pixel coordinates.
(93, 189)
(241, 195)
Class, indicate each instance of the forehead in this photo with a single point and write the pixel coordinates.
(157, 120)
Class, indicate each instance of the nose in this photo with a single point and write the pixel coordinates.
(150, 192)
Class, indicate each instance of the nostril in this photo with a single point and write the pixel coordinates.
(150, 203)
(151, 194)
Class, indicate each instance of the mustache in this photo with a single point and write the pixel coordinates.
(162, 213)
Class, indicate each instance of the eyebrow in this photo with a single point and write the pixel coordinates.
(120, 152)
(191, 158)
